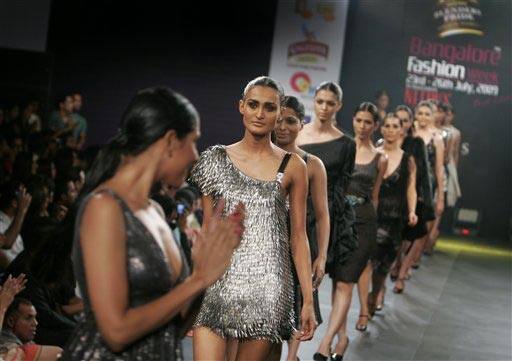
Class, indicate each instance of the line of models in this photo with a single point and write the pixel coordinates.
(276, 219)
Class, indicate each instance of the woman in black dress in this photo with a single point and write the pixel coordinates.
(363, 192)
(337, 152)
(287, 130)
(397, 203)
(132, 273)
(414, 145)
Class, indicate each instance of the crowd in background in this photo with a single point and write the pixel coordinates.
(43, 162)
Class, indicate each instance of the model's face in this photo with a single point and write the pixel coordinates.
(383, 101)
(363, 124)
(439, 116)
(406, 121)
(449, 117)
(391, 129)
(179, 157)
(326, 105)
(288, 127)
(424, 116)
(260, 110)
(25, 323)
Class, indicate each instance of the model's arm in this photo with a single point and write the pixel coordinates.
(439, 169)
(412, 196)
(102, 239)
(299, 243)
(456, 146)
(383, 166)
(318, 187)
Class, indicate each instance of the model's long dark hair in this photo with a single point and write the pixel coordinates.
(150, 114)
(370, 108)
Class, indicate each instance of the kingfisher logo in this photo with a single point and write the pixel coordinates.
(300, 82)
(309, 50)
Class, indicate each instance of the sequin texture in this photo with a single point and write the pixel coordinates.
(254, 297)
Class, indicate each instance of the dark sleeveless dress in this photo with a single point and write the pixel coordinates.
(360, 193)
(391, 216)
(149, 277)
(424, 208)
(338, 156)
(297, 289)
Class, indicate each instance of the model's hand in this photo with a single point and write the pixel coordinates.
(308, 322)
(318, 271)
(213, 248)
(412, 219)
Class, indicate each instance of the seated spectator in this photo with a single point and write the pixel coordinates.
(18, 331)
(14, 203)
(64, 197)
(80, 131)
(37, 213)
(50, 285)
(60, 121)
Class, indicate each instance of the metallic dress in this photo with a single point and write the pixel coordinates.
(149, 277)
(254, 298)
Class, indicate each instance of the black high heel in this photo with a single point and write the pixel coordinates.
(339, 357)
(319, 357)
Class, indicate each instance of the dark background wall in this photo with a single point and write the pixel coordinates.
(208, 51)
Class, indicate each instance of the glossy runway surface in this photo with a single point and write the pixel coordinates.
(457, 306)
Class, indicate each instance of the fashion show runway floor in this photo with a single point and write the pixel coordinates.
(457, 306)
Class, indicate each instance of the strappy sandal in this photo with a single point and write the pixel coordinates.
(397, 289)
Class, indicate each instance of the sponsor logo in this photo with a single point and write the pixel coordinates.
(300, 82)
(458, 17)
(309, 50)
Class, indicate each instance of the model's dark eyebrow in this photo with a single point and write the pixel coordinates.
(257, 101)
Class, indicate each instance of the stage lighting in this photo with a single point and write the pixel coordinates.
(466, 222)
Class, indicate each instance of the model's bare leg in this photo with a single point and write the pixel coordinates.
(363, 288)
(338, 316)
(208, 346)
(254, 350)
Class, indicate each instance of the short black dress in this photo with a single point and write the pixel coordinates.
(360, 193)
(338, 156)
(391, 216)
(424, 207)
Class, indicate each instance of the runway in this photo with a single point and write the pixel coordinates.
(457, 306)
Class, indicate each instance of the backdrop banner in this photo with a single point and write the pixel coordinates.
(307, 47)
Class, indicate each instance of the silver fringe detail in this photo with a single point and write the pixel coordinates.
(254, 297)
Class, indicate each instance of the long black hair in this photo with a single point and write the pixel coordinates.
(370, 108)
(295, 104)
(332, 87)
(150, 114)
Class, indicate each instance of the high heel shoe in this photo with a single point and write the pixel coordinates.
(339, 356)
(397, 289)
(362, 327)
(319, 357)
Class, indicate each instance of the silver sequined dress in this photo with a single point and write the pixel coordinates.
(254, 298)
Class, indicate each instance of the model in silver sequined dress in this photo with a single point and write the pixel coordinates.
(254, 298)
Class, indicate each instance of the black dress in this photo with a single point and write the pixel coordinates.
(392, 213)
(338, 156)
(360, 193)
(424, 209)
(149, 277)
(313, 245)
